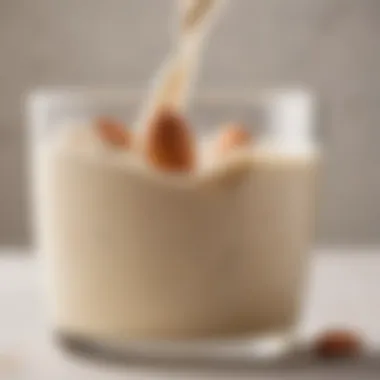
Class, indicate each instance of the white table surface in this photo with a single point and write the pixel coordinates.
(344, 291)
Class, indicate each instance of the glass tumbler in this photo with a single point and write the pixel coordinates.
(130, 257)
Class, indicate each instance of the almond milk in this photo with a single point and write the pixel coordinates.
(134, 253)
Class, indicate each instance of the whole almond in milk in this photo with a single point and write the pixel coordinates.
(169, 144)
(231, 137)
(114, 133)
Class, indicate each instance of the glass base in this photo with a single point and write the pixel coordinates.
(276, 351)
(274, 355)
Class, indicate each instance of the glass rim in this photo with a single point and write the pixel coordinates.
(211, 95)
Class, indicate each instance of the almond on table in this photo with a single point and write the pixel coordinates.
(338, 343)
(232, 136)
(169, 144)
(114, 132)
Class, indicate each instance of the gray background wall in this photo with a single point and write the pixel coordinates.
(331, 45)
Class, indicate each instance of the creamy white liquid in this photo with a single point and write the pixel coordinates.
(133, 253)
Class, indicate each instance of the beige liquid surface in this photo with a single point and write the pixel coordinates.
(134, 254)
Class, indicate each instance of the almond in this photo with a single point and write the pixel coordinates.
(232, 136)
(338, 343)
(169, 144)
(114, 132)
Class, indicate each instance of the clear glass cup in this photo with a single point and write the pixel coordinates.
(131, 261)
